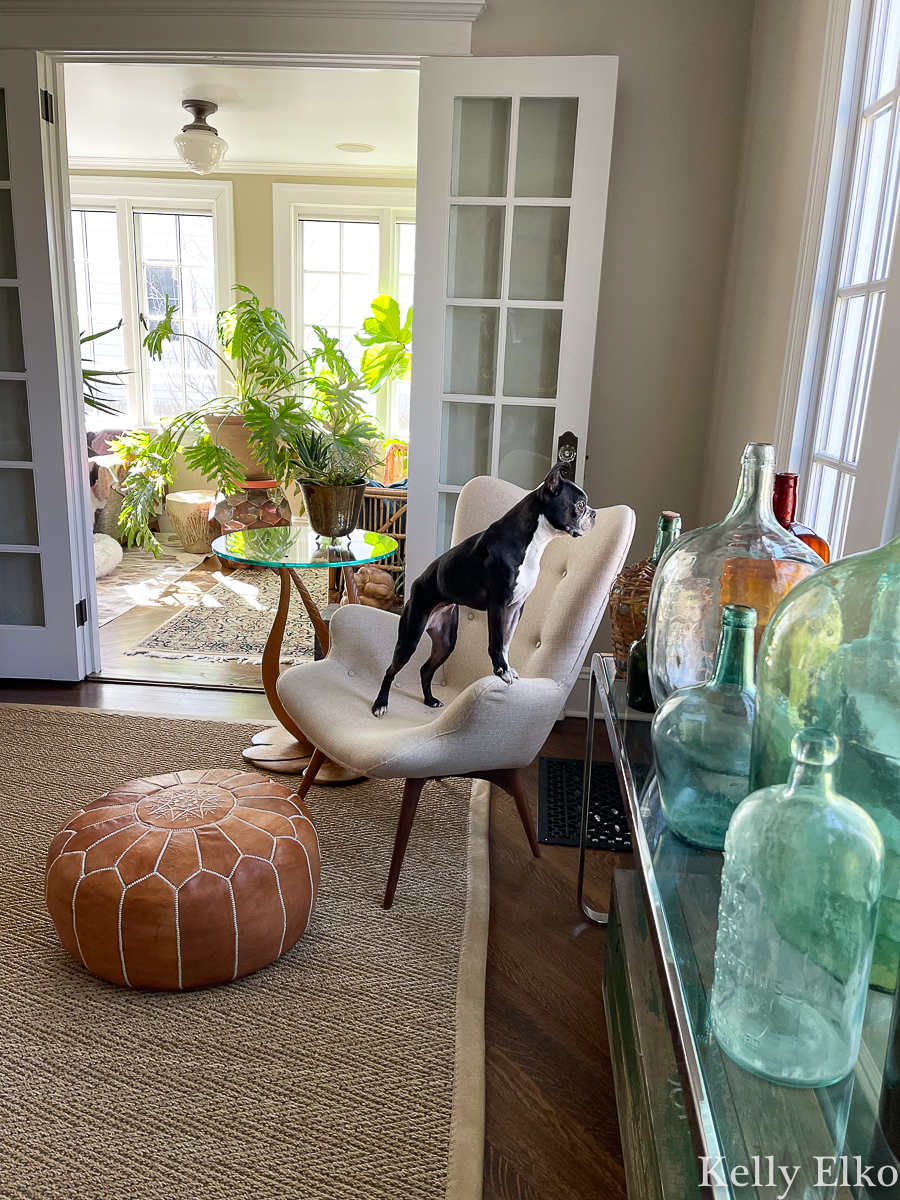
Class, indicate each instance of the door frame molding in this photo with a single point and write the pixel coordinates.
(51, 64)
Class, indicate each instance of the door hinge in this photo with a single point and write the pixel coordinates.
(81, 613)
(46, 106)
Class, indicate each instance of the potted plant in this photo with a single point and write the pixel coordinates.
(334, 453)
(245, 434)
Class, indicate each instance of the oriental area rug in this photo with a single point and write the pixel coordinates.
(230, 623)
(350, 1069)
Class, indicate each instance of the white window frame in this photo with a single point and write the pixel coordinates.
(292, 203)
(874, 511)
(127, 196)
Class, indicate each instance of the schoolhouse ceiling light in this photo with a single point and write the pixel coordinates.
(198, 144)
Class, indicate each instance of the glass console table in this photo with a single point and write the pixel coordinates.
(681, 1100)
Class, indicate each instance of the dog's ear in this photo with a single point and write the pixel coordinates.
(553, 483)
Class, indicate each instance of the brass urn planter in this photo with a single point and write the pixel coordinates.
(333, 510)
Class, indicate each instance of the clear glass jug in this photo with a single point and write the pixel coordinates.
(748, 558)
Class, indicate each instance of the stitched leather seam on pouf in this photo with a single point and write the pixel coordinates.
(184, 880)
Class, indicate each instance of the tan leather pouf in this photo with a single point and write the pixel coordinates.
(184, 880)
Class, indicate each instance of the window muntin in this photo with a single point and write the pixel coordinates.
(175, 258)
(338, 279)
(864, 260)
(98, 286)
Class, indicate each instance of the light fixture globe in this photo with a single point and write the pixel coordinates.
(199, 145)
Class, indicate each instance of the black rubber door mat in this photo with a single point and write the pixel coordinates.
(559, 805)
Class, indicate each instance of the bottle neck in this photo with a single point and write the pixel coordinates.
(818, 777)
(754, 495)
(784, 499)
(735, 658)
(666, 533)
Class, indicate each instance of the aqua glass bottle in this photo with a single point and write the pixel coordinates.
(831, 657)
(747, 558)
(701, 739)
(800, 886)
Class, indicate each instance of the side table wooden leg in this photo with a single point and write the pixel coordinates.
(285, 748)
(329, 772)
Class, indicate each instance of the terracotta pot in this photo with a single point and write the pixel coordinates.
(231, 432)
(333, 509)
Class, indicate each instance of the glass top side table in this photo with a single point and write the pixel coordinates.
(285, 550)
(736, 1120)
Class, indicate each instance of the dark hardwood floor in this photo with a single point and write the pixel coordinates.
(551, 1125)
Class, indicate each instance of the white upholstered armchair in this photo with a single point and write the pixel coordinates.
(487, 729)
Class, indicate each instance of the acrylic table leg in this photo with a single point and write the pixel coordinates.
(283, 748)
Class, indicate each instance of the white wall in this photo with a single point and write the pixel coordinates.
(787, 54)
(679, 110)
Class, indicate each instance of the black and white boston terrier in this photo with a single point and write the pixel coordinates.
(493, 571)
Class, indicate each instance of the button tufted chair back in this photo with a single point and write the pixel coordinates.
(562, 614)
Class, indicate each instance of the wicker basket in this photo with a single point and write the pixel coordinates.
(628, 599)
(384, 511)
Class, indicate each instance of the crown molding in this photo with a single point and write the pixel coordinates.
(416, 10)
(229, 167)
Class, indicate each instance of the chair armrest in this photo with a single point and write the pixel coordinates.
(363, 637)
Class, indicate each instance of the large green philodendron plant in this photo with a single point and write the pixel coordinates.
(340, 445)
(388, 353)
(266, 376)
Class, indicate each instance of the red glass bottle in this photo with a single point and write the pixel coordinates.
(784, 503)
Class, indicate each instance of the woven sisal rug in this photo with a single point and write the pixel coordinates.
(232, 621)
(351, 1069)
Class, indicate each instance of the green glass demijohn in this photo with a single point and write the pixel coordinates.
(637, 686)
(830, 657)
(701, 739)
(800, 885)
(747, 558)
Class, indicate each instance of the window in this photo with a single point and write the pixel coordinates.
(854, 271)
(151, 240)
(336, 249)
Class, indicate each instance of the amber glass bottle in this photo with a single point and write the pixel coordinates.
(784, 505)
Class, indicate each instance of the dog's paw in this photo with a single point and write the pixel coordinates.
(378, 710)
(432, 703)
(507, 675)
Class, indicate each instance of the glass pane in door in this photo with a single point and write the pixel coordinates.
(545, 148)
(21, 589)
(18, 511)
(466, 435)
(446, 513)
(7, 237)
(480, 151)
(474, 263)
(12, 348)
(531, 363)
(526, 443)
(470, 350)
(537, 267)
(15, 432)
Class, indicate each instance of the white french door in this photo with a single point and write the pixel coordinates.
(47, 630)
(512, 178)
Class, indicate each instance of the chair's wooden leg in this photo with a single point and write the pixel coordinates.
(309, 775)
(513, 782)
(412, 789)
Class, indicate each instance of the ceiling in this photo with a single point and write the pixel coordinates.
(271, 118)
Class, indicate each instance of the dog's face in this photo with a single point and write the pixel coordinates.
(565, 505)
